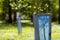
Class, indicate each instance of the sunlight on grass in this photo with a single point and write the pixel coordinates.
(25, 21)
(10, 32)
(55, 33)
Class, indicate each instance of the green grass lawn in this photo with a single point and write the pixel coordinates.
(10, 32)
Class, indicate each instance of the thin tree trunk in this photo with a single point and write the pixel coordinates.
(15, 11)
(59, 12)
(10, 14)
(14, 16)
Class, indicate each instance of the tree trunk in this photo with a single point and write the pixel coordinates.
(15, 12)
(14, 16)
(59, 12)
(31, 17)
(10, 14)
(3, 16)
(16, 2)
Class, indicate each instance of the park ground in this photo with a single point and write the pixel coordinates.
(10, 31)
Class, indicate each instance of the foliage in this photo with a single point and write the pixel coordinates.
(55, 9)
(1, 10)
(29, 7)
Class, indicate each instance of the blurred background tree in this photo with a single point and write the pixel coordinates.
(9, 9)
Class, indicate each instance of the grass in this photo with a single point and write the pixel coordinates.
(55, 33)
(10, 32)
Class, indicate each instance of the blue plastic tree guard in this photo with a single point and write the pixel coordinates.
(19, 23)
(42, 27)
